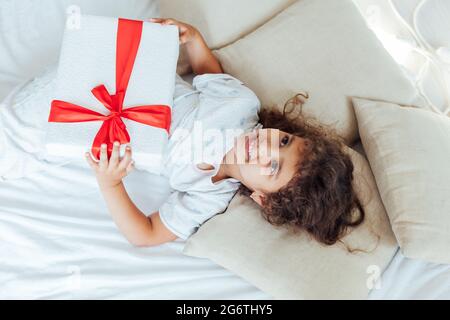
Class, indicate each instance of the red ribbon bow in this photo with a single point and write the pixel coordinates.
(113, 128)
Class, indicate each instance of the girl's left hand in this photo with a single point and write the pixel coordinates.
(187, 32)
(110, 172)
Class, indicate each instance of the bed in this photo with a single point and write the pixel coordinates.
(57, 240)
(58, 244)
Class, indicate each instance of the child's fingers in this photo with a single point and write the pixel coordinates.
(114, 160)
(103, 163)
(90, 161)
(168, 21)
(162, 20)
(126, 160)
(130, 167)
(183, 38)
(156, 20)
(174, 22)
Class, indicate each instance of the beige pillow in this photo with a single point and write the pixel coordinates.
(220, 21)
(326, 49)
(293, 266)
(409, 152)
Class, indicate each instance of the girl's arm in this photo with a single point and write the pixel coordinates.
(200, 56)
(134, 225)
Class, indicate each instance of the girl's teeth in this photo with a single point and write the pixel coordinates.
(251, 147)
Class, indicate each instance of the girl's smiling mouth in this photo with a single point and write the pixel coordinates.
(250, 145)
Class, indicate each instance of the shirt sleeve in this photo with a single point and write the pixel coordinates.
(225, 102)
(222, 85)
(184, 212)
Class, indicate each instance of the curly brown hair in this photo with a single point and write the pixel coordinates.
(320, 197)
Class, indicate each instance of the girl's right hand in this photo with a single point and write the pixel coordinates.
(109, 173)
(188, 33)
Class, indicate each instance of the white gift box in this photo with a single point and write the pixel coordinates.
(87, 60)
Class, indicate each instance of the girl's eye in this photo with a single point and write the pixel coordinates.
(273, 167)
(285, 140)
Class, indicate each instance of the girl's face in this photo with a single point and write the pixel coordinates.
(267, 160)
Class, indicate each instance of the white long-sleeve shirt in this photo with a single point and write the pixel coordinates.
(206, 117)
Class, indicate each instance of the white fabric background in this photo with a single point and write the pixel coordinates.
(31, 31)
(57, 240)
(417, 34)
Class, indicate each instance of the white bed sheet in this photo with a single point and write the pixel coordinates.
(412, 280)
(31, 31)
(58, 241)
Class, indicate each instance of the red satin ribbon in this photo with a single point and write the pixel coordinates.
(113, 128)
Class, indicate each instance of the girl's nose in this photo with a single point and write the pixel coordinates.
(268, 144)
(265, 160)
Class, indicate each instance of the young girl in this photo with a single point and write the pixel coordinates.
(297, 172)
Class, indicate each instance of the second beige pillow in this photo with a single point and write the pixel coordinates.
(409, 153)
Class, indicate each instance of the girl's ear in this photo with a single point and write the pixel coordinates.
(258, 197)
